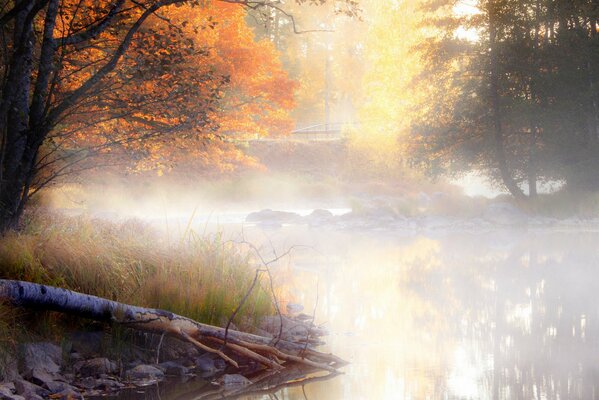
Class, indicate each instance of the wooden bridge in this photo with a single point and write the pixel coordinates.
(318, 133)
(313, 133)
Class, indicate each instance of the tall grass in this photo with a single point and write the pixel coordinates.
(203, 278)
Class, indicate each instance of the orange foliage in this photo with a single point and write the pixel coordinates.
(193, 77)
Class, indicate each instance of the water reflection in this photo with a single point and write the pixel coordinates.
(504, 315)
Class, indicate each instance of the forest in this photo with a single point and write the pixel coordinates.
(189, 188)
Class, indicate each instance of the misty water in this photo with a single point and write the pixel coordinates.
(503, 314)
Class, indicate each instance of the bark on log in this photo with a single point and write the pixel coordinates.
(42, 297)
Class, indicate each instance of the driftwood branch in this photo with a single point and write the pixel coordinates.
(258, 348)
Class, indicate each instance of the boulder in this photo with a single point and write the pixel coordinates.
(28, 389)
(173, 349)
(294, 308)
(95, 367)
(144, 372)
(104, 384)
(274, 218)
(293, 328)
(57, 387)
(67, 394)
(208, 364)
(6, 393)
(319, 217)
(173, 368)
(41, 377)
(43, 356)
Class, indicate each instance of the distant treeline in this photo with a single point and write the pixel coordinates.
(512, 89)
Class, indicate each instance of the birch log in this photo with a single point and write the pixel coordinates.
(43, 297)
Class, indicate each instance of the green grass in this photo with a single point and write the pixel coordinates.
(203, 278)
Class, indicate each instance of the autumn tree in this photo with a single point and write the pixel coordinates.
(66, 65)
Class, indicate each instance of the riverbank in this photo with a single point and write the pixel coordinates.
(113, 360)
(199, 276)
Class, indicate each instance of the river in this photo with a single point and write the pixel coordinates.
(504, 314)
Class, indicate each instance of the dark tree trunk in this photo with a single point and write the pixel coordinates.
(27, 113)
(498, 136)
(14, 123)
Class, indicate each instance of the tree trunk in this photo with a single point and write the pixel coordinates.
(41, 297)
(499, 145)
(14, 115)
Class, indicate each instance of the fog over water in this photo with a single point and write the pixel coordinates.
(502, 314)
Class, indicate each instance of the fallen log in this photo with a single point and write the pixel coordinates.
(258, 348)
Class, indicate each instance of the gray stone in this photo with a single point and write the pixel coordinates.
(294, 308)
(56, 387)
(319, 217)
(103, 384)
(174, 369)
(26, 389)
(40, 376)
(43, 355)
(291, 327)
(173, 349)
(274, 218)
(8, 385)
(6, 393)
(206, 365)
(95, 367)
(67, 394)
(144, 372)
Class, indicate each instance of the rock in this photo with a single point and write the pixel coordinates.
(294, 308)
(206, 365)
(7, 395)
(273, 218)
(57, 387)
(504, 214)
(89, 382)
(209, 364)
(144, 372)
(103, 384)
(319, 217)
(173, 349)
(40, 376)
(292, 328)
(67, 394)
(28, 389)
(174, 369)
(43, 356)
(95, 367)
(6, 392)
(233, 380)
(7, 385)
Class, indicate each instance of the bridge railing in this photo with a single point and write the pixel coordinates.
(336, 127)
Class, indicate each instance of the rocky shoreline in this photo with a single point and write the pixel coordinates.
(495, 216)
(84, 365)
